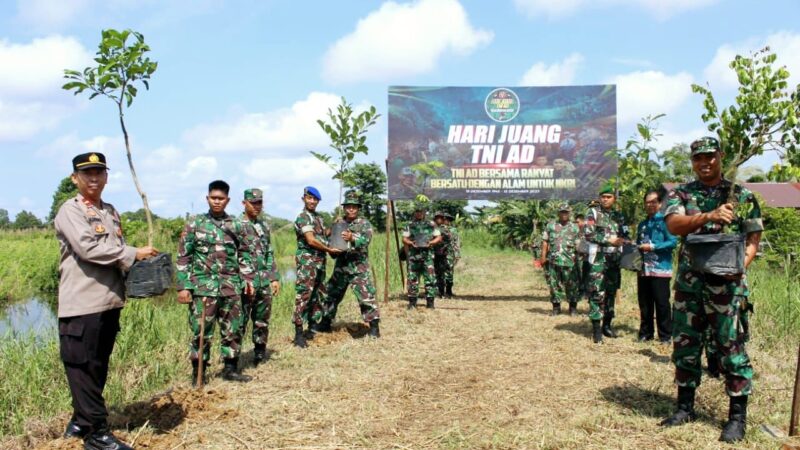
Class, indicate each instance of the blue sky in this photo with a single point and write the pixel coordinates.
(241, 83)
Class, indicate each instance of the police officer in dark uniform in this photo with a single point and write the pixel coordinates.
(91, 294)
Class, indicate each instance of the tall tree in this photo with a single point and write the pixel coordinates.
(5, 222)
(348, 134)
(677, 164)
(120, 66)
(370, 180)
(25, 220)
(66, 189)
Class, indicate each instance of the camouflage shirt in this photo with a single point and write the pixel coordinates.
(257, 237)
(455, 242)
(213, 257)
(561, 242)
(443, 248)
(416, 228)
(601, 225)
(356, 259)
(696, 198)
(309, 221)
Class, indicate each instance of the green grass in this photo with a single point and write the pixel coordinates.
(151, 350)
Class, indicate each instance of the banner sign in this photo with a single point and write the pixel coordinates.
(491, 143)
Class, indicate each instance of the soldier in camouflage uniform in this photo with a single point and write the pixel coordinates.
(583, 266)
(607, 229)
(265, 280)
(420, 259)
(453, 255)
(352, 269)
(558, 251)
(310, 258)
(704, 300)
(441, 262)
(214, 266)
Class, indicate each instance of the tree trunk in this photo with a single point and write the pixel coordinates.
(147, 213)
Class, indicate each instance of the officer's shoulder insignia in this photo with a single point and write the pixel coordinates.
(99, 229)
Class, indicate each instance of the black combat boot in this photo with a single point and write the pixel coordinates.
(556, 309)
(412, 302)
(299, 338)
(573, 309)
(103, 439)
(607, 330)
(597, 334)
(74, 430)
(324, 326)
(735, 427)
(448, 290)
(231, 371)
(375, 328)
(429, 303)
(260, 354)
(685, 412)
(195, 365)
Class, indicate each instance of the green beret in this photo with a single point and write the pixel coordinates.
(607, 188)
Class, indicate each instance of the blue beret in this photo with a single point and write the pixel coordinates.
(311, 190)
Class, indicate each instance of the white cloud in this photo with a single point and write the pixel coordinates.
(557, 74)
(35, 70)
(785, 44)
(200, 167)
(286, 129)
(31, 75)
(660, 9)
(50, 14)
(402, 40)
(641, 94)
(283, 180)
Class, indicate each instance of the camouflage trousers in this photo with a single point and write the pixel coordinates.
(718, 317)
(309, 289)
(546, 272)
(225, 310)
(604, 281)
(259, 310)
(363, 288)
(442, 266)
(421, 265)
(563, 283)
(451, 268)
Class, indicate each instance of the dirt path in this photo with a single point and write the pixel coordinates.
(488, 370)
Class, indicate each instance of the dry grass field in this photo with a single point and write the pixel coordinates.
(489, 370)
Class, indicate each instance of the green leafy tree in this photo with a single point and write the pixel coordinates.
(764, 115)
(370, 181)
(25, 220)
(638, 168)
(138, 215)
(456, 208)
(784, 173)
(348, 134)
(66, 190)
(121, 65)
(5, 222)
(677, 164)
